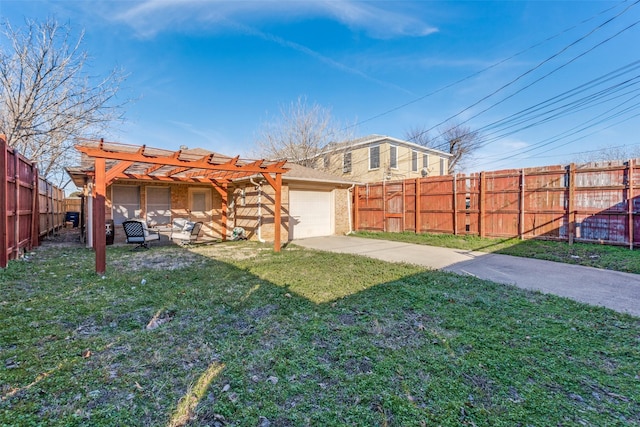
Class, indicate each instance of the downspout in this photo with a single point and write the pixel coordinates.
(349, 191)
(259, 188)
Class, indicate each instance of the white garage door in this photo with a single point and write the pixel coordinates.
(310, 213)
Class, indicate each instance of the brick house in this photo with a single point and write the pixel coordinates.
(313, 203)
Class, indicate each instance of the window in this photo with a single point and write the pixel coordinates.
(443, 166)
(126, 203)
(158, 205)
(425, 161)
(414, 161)
(374, 157)
(393, 157)
(346, 163)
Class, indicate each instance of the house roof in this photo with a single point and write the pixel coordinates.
(373, 139)
(303, 173)
(298, 173)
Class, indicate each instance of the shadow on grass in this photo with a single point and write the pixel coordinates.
(300, 338)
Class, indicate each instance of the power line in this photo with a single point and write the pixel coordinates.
(497, 64)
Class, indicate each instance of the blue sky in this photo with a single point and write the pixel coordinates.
(208, 73)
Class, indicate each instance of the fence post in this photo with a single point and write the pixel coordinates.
(384, 207)
(404, 205)
(16, 223)
(35, 206)
(571, 214)
(4, 238)
(522, 196)
(630, 166)
(356, 212)
(455, 204)
(481, 201)
(418, 224)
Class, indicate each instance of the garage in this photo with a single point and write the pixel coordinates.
(310, 213)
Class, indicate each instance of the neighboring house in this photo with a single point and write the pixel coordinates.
(377, 158)
(314, 203)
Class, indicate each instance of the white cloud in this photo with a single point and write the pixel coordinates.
(150, 17)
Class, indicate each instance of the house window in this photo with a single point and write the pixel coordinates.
(414, 161)
(443, 167)
(393, 157)
(374, 157)
(158, 205)
(425, 161)
(346, 163)
(125, 203)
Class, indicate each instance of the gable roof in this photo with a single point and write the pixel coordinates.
(377, 139)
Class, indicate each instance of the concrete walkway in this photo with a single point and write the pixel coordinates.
(615, 290)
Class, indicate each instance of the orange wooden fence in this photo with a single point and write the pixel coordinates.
(30, 205)
(595, 202)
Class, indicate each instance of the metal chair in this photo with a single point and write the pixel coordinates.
(189, 234)
(137, 233)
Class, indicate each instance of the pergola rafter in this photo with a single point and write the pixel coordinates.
(113, 161)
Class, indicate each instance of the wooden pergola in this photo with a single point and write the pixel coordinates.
(113, 161)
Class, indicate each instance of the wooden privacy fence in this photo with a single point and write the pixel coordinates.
(29, 205)
(595, 202)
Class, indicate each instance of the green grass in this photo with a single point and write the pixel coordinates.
(299, 338)
(593, 255)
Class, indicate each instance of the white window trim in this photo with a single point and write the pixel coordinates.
(414, 154)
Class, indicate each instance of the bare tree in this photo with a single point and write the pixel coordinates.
(456, 139)
(612, 153)
(300, 133)
(421, 136)
(47, 99)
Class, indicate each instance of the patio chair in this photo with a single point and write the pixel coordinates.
(137, 233)
(188, 234)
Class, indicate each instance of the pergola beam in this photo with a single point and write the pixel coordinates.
(202, 163)
(116, 170)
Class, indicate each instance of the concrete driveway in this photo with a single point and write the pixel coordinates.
(612, 289)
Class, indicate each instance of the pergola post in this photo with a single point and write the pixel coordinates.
(99, 237)
(223, 191)
(277, 213)
(276, 183)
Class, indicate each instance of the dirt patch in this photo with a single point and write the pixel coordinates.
(232, 250)
(167, 259)
(62, 238)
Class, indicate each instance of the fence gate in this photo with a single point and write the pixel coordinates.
(394, 207)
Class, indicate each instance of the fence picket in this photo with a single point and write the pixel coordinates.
(587, 203)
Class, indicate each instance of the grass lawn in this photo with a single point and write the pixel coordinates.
(236, 335)
(617, 258)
